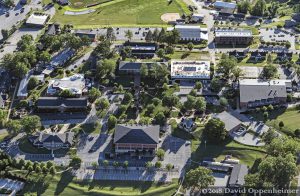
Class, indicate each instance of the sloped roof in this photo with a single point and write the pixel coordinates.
(221, 4)
(229, 120)
(188, 31)
(137, 134)
(57, 101)
(238, 173)
(66, 137)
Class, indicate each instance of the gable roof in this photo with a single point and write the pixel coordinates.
(137, 134)
(229, 120)
(189, 31)
(57, 101)
(66, 138)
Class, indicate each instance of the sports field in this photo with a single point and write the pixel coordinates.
(122, 13)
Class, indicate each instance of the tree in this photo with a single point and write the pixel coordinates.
(103, 49)
(94, 94)
(128, 34)
(52, 170)
(2, 116)
(226, 65)
(190, 46)
(270, 107)
(266, 116)
(259, 8)
(160, 153)
(148, 165)
(297, 133)
(5, 33)
(125, 164)
(37, 169)
(172, 37)
(155, 35)
(161, 36)
(278, 171)
(49, 164)
(281, 146)
(75, 162)
(116, 164)
(32, 83)
(20, 70)
(198, 85)
(244, 6)
(31, 123)
(13, 126)
(200, 104)
(110, 35)
(223, 102)
(169, 166)
(105, 68)
(170, 101)
(149, 36)
(215, 130)
(281, 124)
(44, 170)
(105, 163)
(126, 52)
(111, 122)
(66, 93)
(85, 41)
(199, 178)
(189, 104)
(44, 57)
(158, 164)
(269, 71)
(144, 70)
(127, 98)
(269, 136)
(102, 103)
(160, 53)
(160, 118)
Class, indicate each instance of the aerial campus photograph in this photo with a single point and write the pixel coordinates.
(154, 98)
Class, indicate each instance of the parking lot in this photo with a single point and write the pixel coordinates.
(277, 35)
(133, 174)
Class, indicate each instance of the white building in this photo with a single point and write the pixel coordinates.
(37, 19)
(190, 70)
(76, 84)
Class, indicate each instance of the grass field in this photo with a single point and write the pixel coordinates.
(123, 13)
(190, 55)
(290, 118)
(3, 136)
(246, 154)
(66, 184)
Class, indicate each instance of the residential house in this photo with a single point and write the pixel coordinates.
(141, 49)
(238, 55)
(227, 7)
(136, 140)
(61, 105)
(232, 123)
(187, 124)
(258, 56)
(76, 84)
(284, 56)
(256, 92)
(53, 29)
(63, 2)
(52, 141)
(233, 37)
(197, 17)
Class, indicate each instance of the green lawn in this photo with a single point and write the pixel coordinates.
(190, 55)
(65, 184)
(290, 118)
(123, 13)
(246, 154)
(3, 136)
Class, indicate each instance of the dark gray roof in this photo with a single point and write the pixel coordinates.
(229, 120)
(127, 65)
(221, 4)
(188, 31)
(51, 30)
(57, 101)
(66, 138)
(137, 134)
(237, 177)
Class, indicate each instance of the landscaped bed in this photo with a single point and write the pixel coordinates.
(122, 13)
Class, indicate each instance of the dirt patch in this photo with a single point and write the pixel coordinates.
(78, 4)
(169, 17)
